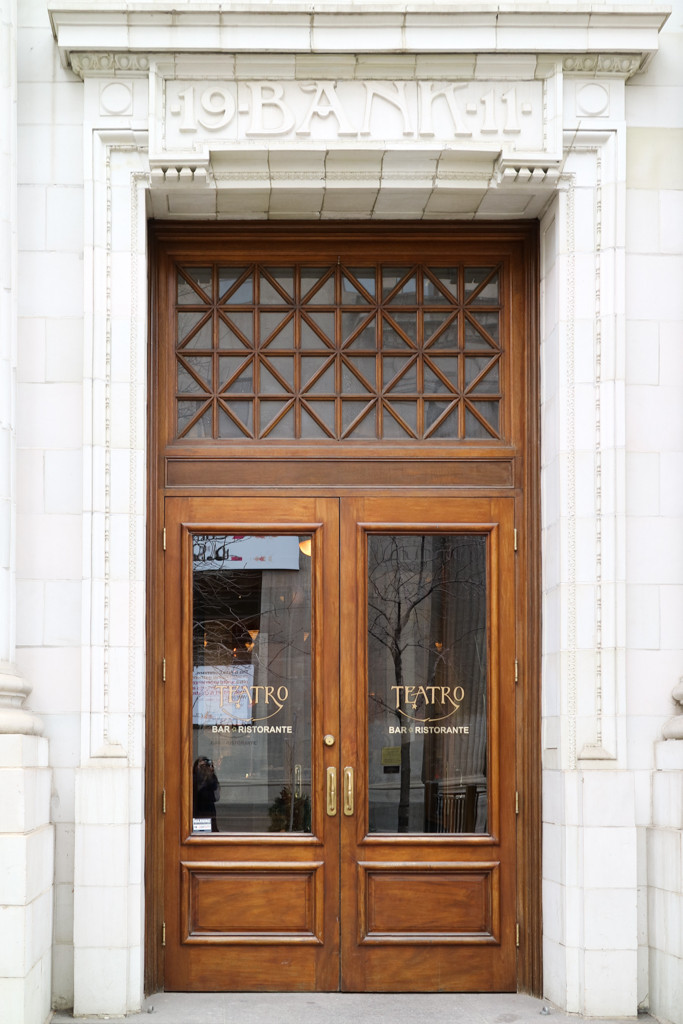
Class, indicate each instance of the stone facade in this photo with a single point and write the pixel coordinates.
(112, 113)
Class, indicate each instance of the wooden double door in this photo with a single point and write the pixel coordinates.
(339, 743)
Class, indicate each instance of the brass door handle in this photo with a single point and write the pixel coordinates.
(331, 791)
(348, 791)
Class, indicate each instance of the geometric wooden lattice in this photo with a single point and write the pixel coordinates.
(334, 352)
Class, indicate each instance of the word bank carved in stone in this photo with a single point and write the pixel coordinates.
(192, 118)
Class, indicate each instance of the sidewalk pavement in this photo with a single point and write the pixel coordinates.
(345, 1008)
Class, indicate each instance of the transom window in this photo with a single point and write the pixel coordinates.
(335, 352)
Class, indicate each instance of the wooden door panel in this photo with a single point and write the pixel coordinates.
(429, 901)
(435, 890)
(227, 902)
(251, 902)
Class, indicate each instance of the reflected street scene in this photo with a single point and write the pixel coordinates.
(427, 683)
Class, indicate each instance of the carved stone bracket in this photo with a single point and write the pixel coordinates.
(673, 729)
(507, 174)
(181, 177)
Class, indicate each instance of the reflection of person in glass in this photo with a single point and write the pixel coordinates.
(206, 791)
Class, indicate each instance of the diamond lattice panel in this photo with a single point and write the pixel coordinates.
(330, 353)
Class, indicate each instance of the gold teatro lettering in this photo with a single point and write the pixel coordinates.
(444, 701)
(430, 695)
(235, 694)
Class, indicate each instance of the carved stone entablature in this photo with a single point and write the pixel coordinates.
(197, 119)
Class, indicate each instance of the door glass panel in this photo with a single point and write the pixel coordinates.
(427, 683)
(251, 683)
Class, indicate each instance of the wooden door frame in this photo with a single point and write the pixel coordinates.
(459, 474)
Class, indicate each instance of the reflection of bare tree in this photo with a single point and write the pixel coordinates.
(418, 587)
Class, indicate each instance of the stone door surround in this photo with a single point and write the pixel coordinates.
(412, 111)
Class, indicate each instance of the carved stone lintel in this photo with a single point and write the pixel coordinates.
(14, 718)
(673, 729)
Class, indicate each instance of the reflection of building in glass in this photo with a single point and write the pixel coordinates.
(252, 678)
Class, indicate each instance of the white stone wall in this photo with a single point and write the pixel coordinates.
(654, 505)
(26, 836)
(612, 495)
(50, 457)
(8, 101)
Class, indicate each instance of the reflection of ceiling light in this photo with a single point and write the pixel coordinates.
(253, 633)
(305, 546)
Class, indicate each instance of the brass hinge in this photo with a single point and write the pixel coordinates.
(516, 671)
(517, 803)
(163, 801)
(163, 934)
(163, 670)
(164, 538)
(517, 936)
(514, 532)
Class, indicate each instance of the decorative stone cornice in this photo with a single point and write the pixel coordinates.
(673, 729)
(121, 30)
(110, 63)
(599, 64)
